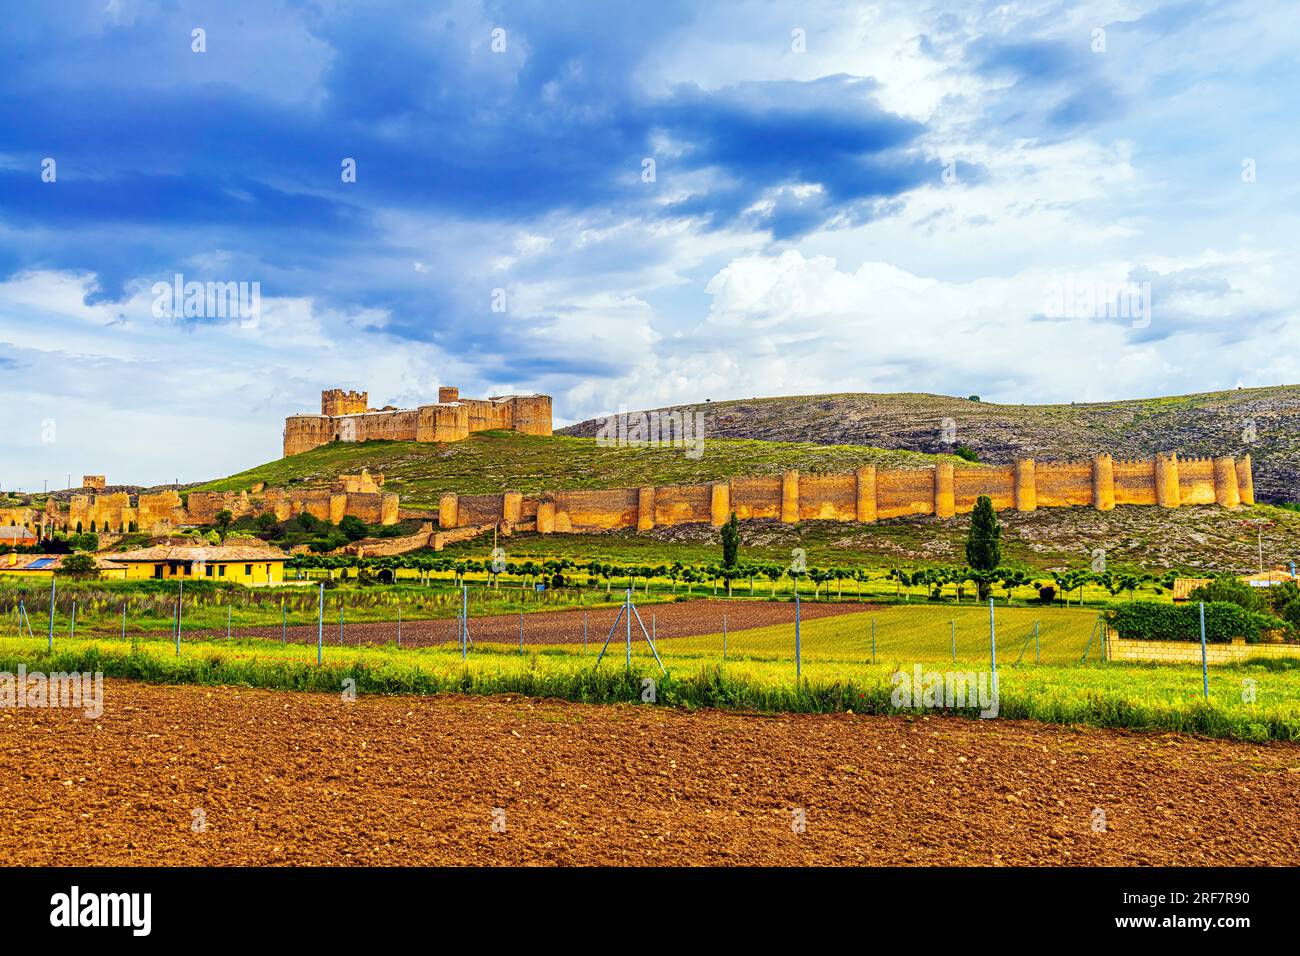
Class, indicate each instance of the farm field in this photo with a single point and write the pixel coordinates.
(831, 679)
(177, 775)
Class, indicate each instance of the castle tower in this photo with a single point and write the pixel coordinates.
(335, 402)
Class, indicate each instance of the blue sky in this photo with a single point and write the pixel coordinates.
(845, 197)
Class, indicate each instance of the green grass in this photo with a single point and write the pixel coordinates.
(1149, 698)
(497, 461)
(905, 635)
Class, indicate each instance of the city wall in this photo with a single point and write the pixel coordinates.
(868, 494)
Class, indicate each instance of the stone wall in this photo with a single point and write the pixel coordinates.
(162, 511)
(1189, 652)
(869, 494)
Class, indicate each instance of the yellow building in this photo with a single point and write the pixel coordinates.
(240, 565)
(36, 566)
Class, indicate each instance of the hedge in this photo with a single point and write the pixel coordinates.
(1153, 621)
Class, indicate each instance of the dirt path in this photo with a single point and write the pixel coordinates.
(278, 777)
(679, 619)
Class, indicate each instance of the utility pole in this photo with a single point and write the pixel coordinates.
(1259, 524)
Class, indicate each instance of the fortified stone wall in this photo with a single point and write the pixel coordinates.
(869, 494)
(162, 511)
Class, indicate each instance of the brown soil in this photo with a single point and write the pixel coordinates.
(310, 779)
(680, 619)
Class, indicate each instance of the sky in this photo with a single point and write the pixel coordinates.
(627, 206)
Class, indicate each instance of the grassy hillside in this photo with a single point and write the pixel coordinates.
(1262, 421)
(496, 461)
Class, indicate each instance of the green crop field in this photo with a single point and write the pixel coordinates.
(836, 675)
(905, 635)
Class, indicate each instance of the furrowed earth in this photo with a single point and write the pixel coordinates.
(289, 778)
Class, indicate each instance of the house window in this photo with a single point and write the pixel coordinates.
(221, 571)
(207, 570)
(157, 570)
(248, 570)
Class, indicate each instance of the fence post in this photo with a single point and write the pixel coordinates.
(724, 637)
(124, 620)
(1037, 656)
(227, 622)
(952, 637)
(52, 586)
(798, 664)
(340, 621)
(1205, 670)
(521, 633)
(993, 648)
(873, 640)
(320, 623)
(399, 624)
(284, 623)
(584, 633)
(72, 631)
(628, 607)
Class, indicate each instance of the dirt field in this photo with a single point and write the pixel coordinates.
(294, 778)
(686, 619)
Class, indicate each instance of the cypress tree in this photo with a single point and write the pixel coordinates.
(982, 549)
(730, 542)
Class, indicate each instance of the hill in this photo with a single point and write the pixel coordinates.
(499, 460)
(1264, 422)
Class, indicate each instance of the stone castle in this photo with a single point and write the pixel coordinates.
(346, 416)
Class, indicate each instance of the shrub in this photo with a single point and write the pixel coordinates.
(1224, 620)
(1046, 594)
(353, 528)
(1291, 613)
(1225, 587)
(966, 453)
(80, 565)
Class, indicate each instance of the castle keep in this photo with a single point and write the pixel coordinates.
(346, 416)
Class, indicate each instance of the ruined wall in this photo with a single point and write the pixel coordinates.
(94, 482)
(161, 511)
(868, 494)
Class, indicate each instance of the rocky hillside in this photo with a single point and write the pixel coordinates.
(1264, 422)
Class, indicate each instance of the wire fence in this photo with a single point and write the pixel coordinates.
(728, 629)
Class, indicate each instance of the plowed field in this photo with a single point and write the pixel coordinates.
(216, 776)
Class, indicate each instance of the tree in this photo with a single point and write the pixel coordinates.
(730, 542)
(223, 520)
(353, 527)
(1225, 587)
(983, 552)
(80, 565)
